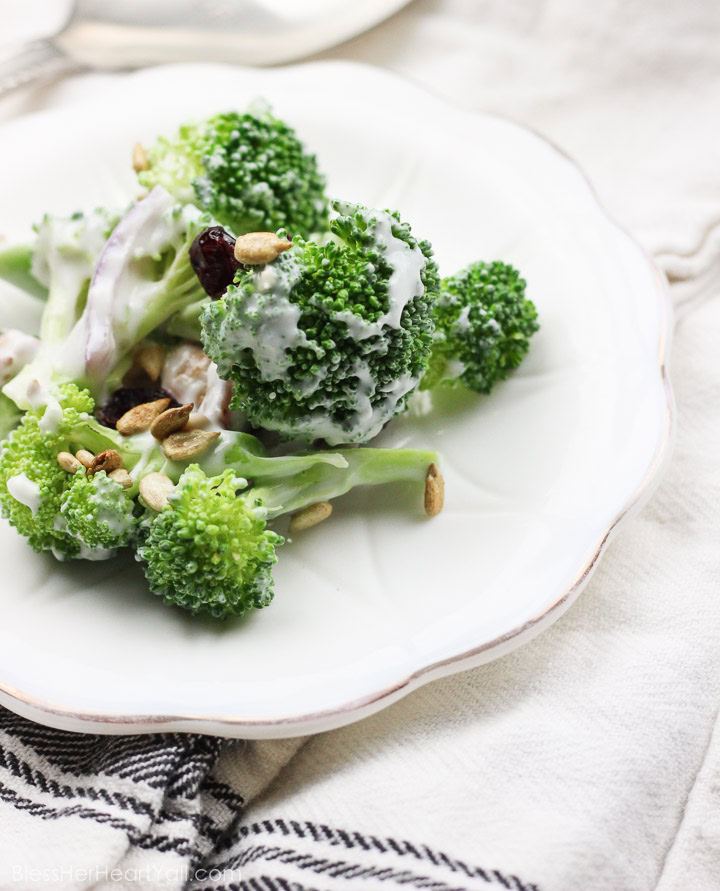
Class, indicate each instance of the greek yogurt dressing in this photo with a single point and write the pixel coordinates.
(39, 396)
(270, 328)
(148, 447)
(17, 350)
(269, 320)
(404, 285)
(368, 419)
(24, 490)
(106, 492)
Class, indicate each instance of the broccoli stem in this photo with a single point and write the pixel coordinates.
(180, 286)
(15, 267)
(58, 318)
(284, 483)
(321, 482)
(239, 452)
(186, 323)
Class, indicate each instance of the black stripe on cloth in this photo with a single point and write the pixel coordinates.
(31, 776)
(135, 836)
(320, 835)
(179, 766)
(352, 839)
(336, 869)
(171, 761)
(263, 883)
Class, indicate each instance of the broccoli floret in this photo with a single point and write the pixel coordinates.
(74, 516)
(249, 171)
(96, 514)
(60, 260)
(209, 550)
(142, 276)
(329, 339)
(32, 484)
(483, 326)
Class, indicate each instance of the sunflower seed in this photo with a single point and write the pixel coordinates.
(188, 444)
(170, 421)
(310, 516)
(68, 462)
(121, 477)
(434, 491)
(108, 460)
(257, 248)
(151, 358)
(139, 418)
(139, 158)
(154, 489)
(84, 457)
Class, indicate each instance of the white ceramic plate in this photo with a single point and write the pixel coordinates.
(379, 600)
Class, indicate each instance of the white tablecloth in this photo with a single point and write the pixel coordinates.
(587, 759)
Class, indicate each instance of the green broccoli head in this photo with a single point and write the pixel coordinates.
(32, 484)
(483, 326)
(329, 339)
(209, 549)
(97, 514)
(249, 171)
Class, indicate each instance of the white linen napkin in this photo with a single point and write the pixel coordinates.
(587, 759)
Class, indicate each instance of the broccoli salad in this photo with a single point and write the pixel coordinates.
(221, 352)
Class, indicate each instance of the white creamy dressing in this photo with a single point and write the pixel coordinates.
(368, 419)
(148, 446)
(404, 285)
(269, 320)
(214, 461)
(85, 553)
(25, 491)
(215, 402)
(17, 349)
(107, 492)
(453, 368)
(39, 396)
(53, 415)
(462, 322)
(269, 326)
(95, 554)
(119, 526)
(262, 190)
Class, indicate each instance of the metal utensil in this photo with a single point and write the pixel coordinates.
(137, 32)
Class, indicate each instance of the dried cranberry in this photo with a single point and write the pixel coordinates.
(212, 256)
(125, 398)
